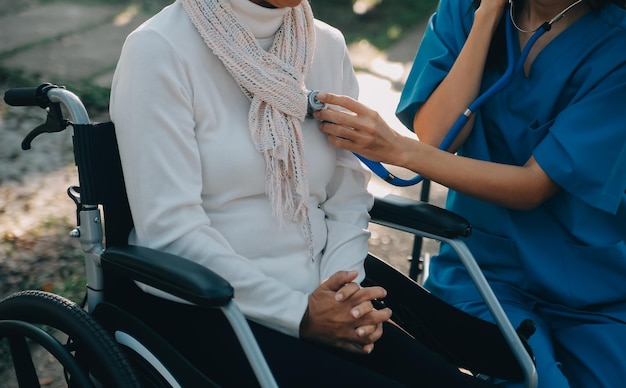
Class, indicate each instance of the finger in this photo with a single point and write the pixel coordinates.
(340, 131)
(370, 333)
(339, 279)
(373, 317)
(368, 294)
(337, 136)
(342, 101)
(366, 330)
(367, 313)
(345, 118)
(347, 291)
(361, 309)
(368, 348)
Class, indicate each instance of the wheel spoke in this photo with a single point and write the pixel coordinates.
(23, 362)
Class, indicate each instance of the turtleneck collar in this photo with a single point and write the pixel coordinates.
(263, 22)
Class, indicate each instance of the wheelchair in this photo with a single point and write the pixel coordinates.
(104, 342)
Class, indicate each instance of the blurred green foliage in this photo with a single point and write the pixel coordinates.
(381, 22)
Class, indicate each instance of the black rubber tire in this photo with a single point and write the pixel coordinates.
(104, 358)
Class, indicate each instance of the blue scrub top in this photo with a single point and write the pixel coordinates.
(568, 113)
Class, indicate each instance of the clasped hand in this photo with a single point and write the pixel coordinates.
(341, 314)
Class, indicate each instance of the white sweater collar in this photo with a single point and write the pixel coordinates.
(263, 22)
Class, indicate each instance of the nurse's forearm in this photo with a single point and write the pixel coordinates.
(460, 87)
(515, 187)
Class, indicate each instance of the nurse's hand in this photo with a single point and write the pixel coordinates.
(489, 12)
(492, 6)
(359, 129)
(341, 314)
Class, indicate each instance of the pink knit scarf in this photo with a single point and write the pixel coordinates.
(273, 80)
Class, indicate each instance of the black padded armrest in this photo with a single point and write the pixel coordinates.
(393, 210)
(170, 273)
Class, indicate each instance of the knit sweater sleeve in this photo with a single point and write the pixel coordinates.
(348, 201)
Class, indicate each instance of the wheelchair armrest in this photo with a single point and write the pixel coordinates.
(409, 214)
(170, 273)
(192, 282)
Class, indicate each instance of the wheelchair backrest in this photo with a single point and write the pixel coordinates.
(101, 178)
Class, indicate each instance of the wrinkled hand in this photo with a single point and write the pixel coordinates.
(341, 314)
(358, 128)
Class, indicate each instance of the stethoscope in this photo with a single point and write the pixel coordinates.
(513, 68)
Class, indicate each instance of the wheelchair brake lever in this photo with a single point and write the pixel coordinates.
(74, 193)
(54, 123)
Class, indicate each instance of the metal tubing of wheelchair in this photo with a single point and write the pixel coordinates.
(74, 105)
(416, 268)
(510, 335)
(91, 233)
(91, 236)
(502, 321)
(248, 342)
(132, 343)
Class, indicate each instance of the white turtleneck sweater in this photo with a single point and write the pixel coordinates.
(196, 184)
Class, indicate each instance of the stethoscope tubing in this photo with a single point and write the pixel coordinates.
(513, 68)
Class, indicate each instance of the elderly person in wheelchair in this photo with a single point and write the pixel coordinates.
(212, 134)
(222, 168)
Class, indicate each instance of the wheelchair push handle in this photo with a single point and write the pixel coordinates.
(52, 98)
(24, 96)
(46, 96)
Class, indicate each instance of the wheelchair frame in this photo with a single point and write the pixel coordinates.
(200, 286)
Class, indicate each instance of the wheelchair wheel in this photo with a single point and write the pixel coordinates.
(72, 338)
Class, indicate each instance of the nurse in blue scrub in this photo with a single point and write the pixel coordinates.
(539, 170)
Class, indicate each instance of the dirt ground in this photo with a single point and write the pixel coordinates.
(36, 215)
